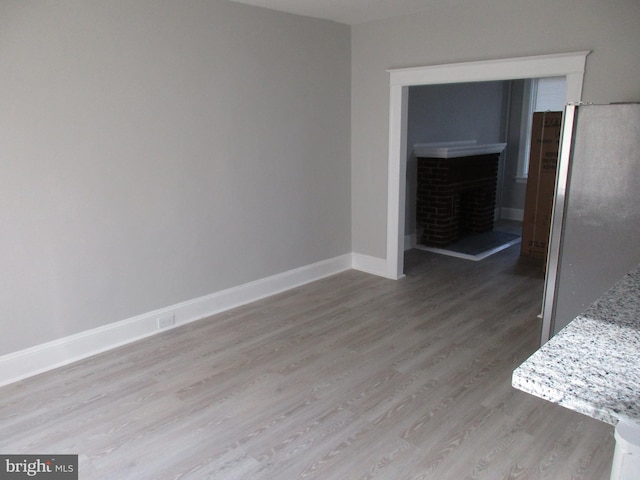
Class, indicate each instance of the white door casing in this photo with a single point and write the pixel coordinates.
(570, 65)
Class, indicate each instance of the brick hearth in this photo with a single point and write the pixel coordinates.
(455, 196)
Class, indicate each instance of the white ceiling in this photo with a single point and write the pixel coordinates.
(350, 12)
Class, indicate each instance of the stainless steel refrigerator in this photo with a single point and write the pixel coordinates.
(597, 211)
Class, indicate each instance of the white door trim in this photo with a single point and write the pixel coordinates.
(569, 65)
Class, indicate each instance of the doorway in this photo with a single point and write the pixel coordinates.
(568, 65)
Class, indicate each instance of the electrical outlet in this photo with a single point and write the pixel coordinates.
(166, 321)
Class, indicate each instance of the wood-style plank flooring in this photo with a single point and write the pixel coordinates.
(351, 377)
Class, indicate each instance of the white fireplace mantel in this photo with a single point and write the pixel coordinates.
(465, 148)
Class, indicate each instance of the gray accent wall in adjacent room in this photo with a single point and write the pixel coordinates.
(514, 185)
(155, 152)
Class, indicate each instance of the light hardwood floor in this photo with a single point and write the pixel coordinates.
(351, 377)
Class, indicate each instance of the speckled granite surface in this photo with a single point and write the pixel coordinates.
(592, 366)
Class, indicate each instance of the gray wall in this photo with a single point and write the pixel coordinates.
(154, 152)
(479, 30)
(442, 113)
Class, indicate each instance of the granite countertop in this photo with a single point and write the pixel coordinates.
(592, 366)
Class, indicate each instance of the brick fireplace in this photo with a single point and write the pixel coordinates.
(456, 192)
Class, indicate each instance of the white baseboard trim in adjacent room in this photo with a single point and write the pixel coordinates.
(41, 358)
(512, 214)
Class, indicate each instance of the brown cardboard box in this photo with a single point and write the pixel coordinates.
(541, 182)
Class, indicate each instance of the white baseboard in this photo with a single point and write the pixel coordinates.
(373, 265)
(41, 358)
(512, 214)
